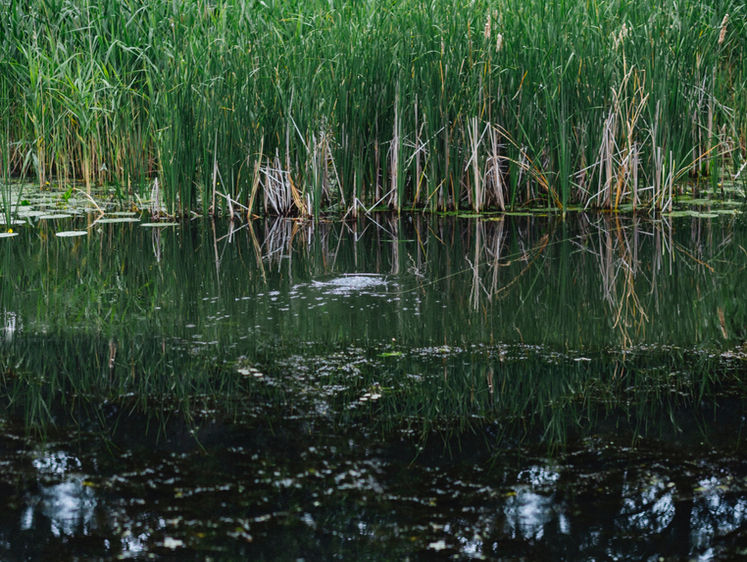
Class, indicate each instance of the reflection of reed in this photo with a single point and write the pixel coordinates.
(217, 257)
(615, 247)
(276, 245)
(488, 243)
(615, 262)
(257, 250)
(393, 224)
(602, 270)
(662, 247)
(629, 311)
(493, 246)
(418, 267)
(155, 240)
(285, 238)
(474, 296)
(528, 254)
(488, 252)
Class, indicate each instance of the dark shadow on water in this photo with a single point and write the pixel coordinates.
(277, 487)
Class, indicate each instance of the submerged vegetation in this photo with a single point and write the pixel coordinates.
(288, 107)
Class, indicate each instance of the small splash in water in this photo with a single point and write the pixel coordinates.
(361, 283)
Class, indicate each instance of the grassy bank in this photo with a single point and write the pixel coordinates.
(294, 107)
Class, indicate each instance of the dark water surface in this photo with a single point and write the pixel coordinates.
(422, 388)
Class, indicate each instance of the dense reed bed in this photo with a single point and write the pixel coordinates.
(288, 107)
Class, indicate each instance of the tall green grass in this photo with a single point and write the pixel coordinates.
(288, 107)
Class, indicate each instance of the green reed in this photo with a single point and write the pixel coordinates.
(5, 189)
(409, 105)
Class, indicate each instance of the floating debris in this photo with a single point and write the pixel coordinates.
(250, 372)
(172, 543)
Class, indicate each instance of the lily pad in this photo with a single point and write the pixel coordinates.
(158, 224)
(704, 215)
(119, 219)
(8, 234)
(56, 216)
(700, 201)
(31, 213)
(71, 233)
(696, 214)
(626, 208)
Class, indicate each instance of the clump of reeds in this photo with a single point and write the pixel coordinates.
(314, 107)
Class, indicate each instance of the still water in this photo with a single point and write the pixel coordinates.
(422, 388)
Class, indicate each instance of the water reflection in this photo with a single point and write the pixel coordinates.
(69, 508)
(241, 490)
(10, 325)
(591, 281)
(650, 508)
(526, 514)
(364, 388)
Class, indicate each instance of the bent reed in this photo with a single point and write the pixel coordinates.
(311, 107)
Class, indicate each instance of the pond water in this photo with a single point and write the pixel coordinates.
(393, 388)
